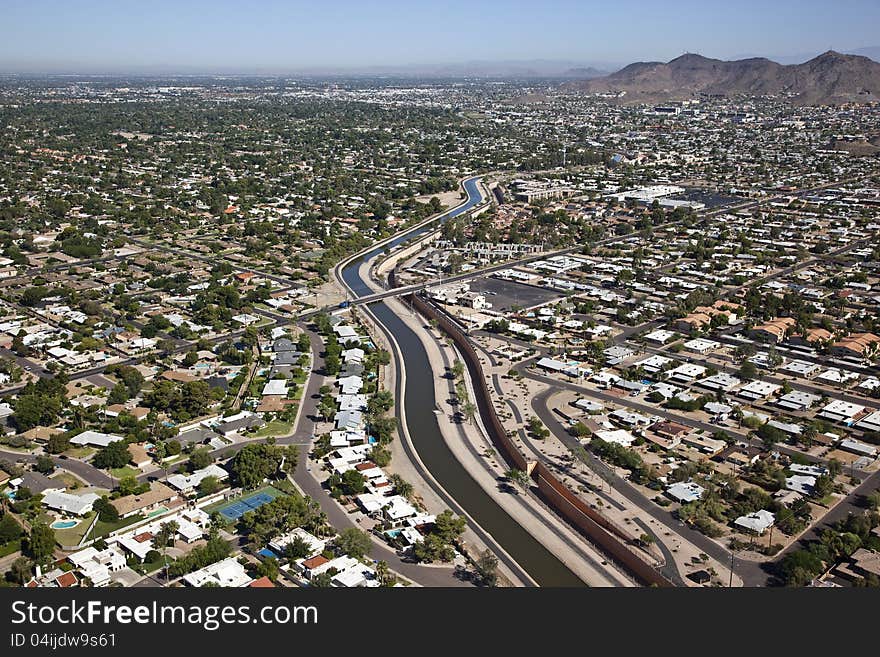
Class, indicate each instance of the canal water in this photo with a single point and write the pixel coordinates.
(424, 430)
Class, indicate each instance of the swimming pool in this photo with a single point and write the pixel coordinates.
(158, 512)
(64, 524)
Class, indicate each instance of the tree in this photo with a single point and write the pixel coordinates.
(114, 455)
(209, 485)
(200, 458)
(448, 526)
(44, 464)
(351, 482)
(41, 543)
(128, 485)
(457, 369)
(21, 570)
(518, 477)
(10, 530)
(487, 568)
(298, 548)
(322, 580)
(384, 575)
(118, 395)
(748, 371)
(835, 467)
(824, 486)
(255, 463)
(470, 410)
(106, 511)
(58, 443)
(165, 536)
(268, 568)
(354, 542)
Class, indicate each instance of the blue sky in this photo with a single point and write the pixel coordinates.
(278, 36)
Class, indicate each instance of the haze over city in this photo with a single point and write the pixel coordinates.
(223, 36)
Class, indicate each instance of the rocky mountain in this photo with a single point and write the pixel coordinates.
(827, 79)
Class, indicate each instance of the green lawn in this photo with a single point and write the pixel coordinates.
(69, 480)
(79, 452)
(256, 387)
(8, 548)
(151, 566)
(103, 528)
(274, 428)
(73, 535)
(126, 471)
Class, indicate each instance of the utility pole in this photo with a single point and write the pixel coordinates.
(730, 583)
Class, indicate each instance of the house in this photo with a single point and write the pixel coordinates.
(842, 411)
(685, 492)
(188, 483)
(801, 368)
(36, 483)
(195, 436)
(812, 337)
(704, 444)
(97, 565)
(131, 505)
(803, 484)
(95, 439)
(139, 456)
(359, 575)
(866, 562)
(756, 522)
(353, 355)
(350, 385)
(858, 447)
(262, 583)
(702, 345)
(755, 390)
(228, 573)
(721, 381)
(669, 429)
(857, 345)
(617, 436)
(275, 387)
(318, 565)
(686, 373)
(316, 545)
(870, 422)
(797, 401)
(773, 331)
(240, 423)
(660, 336)
(74, 505)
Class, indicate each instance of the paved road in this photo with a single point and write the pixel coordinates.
(85, 471)
(435, 576)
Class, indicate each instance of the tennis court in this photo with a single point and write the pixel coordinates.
(236, 509)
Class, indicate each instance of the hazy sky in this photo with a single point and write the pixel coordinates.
(277, 36)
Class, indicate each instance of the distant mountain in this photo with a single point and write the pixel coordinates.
(584, 73)
(827, 79)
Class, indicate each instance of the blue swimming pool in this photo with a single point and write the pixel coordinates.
(64, 524)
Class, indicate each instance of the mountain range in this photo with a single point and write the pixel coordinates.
(830, 78)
